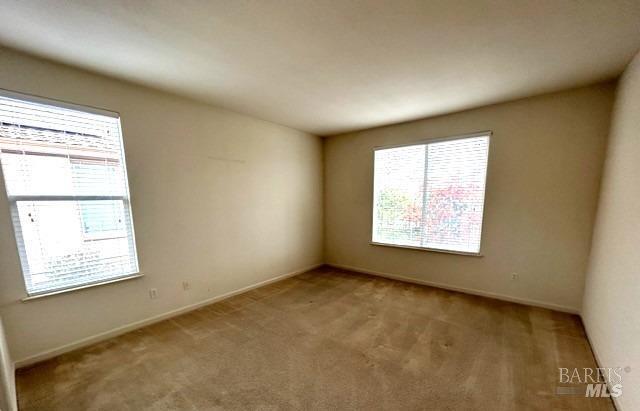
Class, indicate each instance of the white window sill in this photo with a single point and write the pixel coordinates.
(81, 287)
(437, 250)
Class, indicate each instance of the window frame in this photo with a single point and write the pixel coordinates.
(486, 133)
(126, 198)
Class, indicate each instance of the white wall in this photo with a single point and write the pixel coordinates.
(219, 199)
(7, 376)
(611, 310)
(545, 164)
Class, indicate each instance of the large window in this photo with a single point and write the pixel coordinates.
(431, 195)
(66, 182)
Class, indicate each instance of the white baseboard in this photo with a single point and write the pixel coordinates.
(482, 293)
(45, 355)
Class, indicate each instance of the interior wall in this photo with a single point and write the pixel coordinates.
(611, 303)
(545, 163)
(7, 376)
(219, 199)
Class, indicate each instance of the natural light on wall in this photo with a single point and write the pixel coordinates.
(431, 195)
(66, 183)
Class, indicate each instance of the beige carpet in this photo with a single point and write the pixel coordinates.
(327, 340)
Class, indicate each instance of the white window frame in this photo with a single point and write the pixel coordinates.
(487, 133)
(13, 199)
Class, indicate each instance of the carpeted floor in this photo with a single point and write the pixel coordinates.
(327, 340)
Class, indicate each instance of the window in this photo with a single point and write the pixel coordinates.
(431, 195)
(66, 182)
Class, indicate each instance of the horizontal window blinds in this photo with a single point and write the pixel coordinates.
(66, 182)
(431, 195)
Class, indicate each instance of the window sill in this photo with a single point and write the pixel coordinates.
(81, 287)
(437, 250)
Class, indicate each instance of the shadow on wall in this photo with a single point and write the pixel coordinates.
(7, 376)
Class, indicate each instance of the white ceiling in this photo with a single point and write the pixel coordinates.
(328, 66)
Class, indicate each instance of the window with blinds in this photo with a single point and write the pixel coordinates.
(66, 182)
(431, 195)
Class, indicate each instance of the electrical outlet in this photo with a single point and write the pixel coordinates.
(153, 293)
(186, 286)
(514, 276)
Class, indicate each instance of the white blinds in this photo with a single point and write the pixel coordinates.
(431, 195)
(66, 182)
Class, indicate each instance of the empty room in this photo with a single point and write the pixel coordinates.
(319, 205)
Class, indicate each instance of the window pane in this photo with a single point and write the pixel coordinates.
(431, 195)
(399, 183)
(66, 182)
(102, 218)
(36, 174)
(59, 250)
(95, 177)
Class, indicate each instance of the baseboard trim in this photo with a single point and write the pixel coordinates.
(45, 355)
(473, 291)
